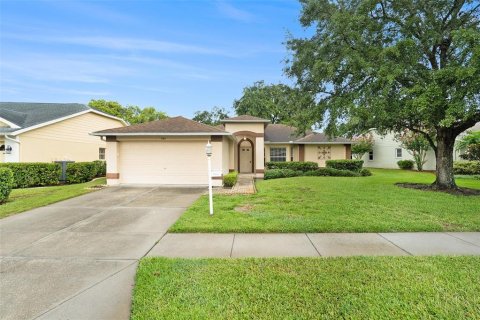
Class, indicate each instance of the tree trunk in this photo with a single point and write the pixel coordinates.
(444, 156)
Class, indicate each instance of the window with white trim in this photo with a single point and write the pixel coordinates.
(278, 154)
(398, 152)
(370, 156)
(101, 153)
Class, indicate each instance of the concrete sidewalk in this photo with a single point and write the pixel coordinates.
(196, 245)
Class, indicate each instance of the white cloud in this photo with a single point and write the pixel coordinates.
(234, 13)
(119, 43)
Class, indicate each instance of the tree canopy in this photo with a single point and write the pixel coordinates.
(393, 65)
(131, 114)
(212, 117)
(277, 102)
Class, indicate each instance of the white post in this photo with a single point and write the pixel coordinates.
(208, 151)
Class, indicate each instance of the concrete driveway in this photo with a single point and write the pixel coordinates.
(76, 259)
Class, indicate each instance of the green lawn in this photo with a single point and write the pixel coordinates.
(338, 204)
(306, 288)
(29, 198)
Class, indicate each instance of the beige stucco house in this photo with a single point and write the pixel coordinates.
(46, 132)
(172, 151)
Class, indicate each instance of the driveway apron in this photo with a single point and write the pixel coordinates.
(76, 259)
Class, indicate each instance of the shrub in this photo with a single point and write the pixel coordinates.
(34, 174)
(281, 173)
(405, 164)
(6, 183)
(230, 179)
(293, 165)
(78, 172)
(466, 167)
(352, 165)
(365, 172)
(101, 168)
(472, 153)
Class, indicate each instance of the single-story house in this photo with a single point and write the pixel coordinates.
(172, 151)
(387, 152)
(46, 132)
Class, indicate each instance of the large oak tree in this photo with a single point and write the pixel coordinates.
(393, 65)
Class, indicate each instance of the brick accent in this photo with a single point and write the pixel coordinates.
(348, 151)
(301, 152)
(217, 178)
(113, 175)
(260, 171)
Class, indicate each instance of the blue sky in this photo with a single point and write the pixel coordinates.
(179, 56)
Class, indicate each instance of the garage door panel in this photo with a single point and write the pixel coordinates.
(162, 162)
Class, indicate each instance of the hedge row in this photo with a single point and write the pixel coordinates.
(466, 167)
(6, 183)
(230, 179)
(39, 174)
(293, 165)
(34, 174)
(79, 172)
(351, 165)
(320, 172)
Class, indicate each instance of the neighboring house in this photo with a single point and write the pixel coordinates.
(387, 152)
(172, 151)
(46, 132)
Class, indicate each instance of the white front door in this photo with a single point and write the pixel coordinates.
(246, 157)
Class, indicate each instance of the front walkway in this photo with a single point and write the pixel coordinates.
(245, 185)
(316, 244)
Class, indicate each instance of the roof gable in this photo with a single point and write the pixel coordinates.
(169, 126)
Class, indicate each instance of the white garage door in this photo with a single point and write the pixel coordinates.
(163, 162)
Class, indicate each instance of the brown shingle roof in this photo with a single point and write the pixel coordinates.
(280, 133)
(175, 125)
(246, 118)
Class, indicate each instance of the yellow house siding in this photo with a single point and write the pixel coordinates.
(337, 152)
(253, 127)
(66, 140)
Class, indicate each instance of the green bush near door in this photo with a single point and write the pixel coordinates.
(230, 179)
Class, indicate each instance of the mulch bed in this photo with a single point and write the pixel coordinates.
(427, 187)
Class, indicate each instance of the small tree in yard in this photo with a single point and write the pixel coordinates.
(416, 144)
(363, 144)
(392, 65)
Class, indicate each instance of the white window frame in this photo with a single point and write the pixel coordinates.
(278, 158)
(396, 153)
(100, 153)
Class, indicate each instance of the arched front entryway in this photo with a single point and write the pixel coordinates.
(245, 156)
